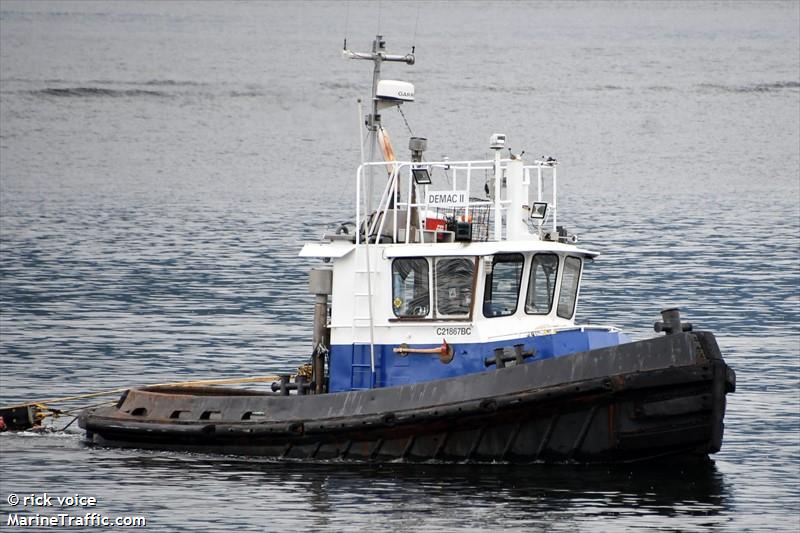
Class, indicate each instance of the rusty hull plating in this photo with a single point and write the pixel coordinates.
(631, 402)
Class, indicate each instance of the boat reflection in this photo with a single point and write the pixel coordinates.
(536, 496)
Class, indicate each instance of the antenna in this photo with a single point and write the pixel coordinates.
(391, 91)
(377, 56)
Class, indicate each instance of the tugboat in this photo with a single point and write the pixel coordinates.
(445, 330)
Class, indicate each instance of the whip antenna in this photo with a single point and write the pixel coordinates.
(346, 22)
(414, 39)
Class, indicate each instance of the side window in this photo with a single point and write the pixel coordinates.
(410, 292)
(454, 285)
(542, 284)
(502, 285)
(569, 287)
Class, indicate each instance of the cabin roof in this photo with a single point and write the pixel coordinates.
(334, 249)
(482, 248)
(337, 249)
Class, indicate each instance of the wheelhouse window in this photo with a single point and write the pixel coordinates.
(410, 289)
(501, 291)
(542, 284)
(569, 287)
(453, 278)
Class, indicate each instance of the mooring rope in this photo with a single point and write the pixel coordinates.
(42, 404)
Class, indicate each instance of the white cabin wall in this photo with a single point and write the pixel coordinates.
(346, 283)
(350, 280)
(342, 300)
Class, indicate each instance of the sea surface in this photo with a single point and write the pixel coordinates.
(161, 164)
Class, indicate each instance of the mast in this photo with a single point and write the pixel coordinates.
(377, 56)
(372, 121)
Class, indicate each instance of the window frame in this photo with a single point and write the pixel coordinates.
(519, 283)
(577, 286)
(553, 292)
(432, 315)
(427, 280)
(435, 307)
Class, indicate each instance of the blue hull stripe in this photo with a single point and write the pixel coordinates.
(350, 364)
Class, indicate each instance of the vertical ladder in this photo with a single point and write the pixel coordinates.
(363, 289)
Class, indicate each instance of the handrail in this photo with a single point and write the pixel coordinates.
(549, 330)
(372, 225)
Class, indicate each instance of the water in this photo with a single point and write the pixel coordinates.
(160, 164)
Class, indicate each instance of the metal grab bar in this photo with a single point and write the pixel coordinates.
(445, 351)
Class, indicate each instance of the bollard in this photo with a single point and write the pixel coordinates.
(500, 357)
(671, 322)
(301, 384)
(282, 386)
(518, 353)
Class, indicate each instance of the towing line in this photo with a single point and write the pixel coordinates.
(29, 415)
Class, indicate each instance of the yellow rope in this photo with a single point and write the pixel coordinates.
(306, 370)
(71, 412)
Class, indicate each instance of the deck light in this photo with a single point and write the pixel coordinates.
(539, 210)
(421, 176)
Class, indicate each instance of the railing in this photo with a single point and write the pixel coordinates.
(406, 208)
(541, 168)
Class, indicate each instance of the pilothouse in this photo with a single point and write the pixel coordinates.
(463, 260)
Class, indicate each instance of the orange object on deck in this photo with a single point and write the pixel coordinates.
(435, 224)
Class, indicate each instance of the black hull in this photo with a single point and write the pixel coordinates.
(664, 396)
